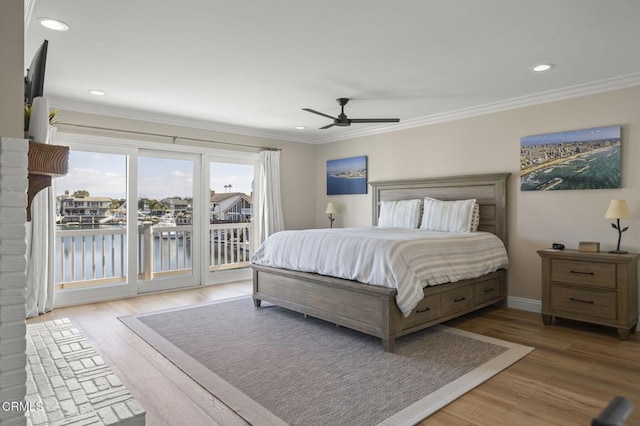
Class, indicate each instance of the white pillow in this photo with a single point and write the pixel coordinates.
(399, 214)
(447, 216)
(475, 218)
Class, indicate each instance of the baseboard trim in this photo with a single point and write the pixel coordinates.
(529, 305)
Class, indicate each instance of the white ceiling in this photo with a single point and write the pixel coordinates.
(250, 67)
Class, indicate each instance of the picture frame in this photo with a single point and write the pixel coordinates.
(576, 159)
(347, 176)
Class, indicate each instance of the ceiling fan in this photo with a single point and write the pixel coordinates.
(342, 119)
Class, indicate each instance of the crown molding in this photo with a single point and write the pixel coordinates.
(579, 90)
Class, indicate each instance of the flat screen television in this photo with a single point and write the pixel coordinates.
(34, 80)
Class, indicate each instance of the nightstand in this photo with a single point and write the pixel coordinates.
(600, 288)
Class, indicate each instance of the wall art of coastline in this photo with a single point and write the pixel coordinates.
(577, 159)
(347, 176)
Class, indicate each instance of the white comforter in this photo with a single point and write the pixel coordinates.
(405, 259)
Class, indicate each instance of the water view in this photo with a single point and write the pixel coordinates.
(92, 206)
(347, 176)
(596, 169)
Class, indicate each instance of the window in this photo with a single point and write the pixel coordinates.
(230, 213)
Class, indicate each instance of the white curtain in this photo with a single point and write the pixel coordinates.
(269, 217)
(40, 252)
(40, 281)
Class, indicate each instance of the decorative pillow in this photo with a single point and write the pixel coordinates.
(447, 216)
(475, 218)
(399, 214)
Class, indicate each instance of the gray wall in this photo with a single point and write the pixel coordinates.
(11, 72)
(13, 159)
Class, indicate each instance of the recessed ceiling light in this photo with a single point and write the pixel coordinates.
(54, 24)
(301, 127)
(97, 92)
(542, 67)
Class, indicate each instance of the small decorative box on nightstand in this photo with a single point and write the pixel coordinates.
(589, 246)
(600, 288)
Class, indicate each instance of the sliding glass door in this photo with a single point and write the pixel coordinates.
(167, 220)
(91, 247)
(136, 217)
(230, 218)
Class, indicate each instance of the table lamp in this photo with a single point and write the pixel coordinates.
(331, 210)
(618, 210)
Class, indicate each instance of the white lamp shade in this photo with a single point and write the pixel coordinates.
(331, 208)
(617, 210)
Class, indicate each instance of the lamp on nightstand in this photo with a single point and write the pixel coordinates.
(618, 210)
(331, 210)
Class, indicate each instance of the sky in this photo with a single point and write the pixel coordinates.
(596, 133)
(345, 164)
(240, 176)
(104, 175)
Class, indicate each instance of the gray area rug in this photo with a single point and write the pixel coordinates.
(274, 366)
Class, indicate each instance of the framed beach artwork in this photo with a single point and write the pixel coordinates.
(347, 176)
(577, 159)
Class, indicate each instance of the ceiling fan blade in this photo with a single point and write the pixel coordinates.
(375, 120)
(319, 113)
(327, 126)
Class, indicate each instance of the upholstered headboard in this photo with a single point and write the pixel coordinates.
(490, 191)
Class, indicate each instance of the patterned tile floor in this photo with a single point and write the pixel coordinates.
(68, 383)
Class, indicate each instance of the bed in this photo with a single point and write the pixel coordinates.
(373, 309)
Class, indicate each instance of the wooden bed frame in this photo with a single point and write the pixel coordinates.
(372, 309)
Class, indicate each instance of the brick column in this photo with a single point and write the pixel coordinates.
(13, 279)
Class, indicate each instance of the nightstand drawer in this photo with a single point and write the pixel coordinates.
(602, 304)
(429, 308)
(457, 300)
(594, 274)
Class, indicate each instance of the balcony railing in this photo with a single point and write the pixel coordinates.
(91, 257)
(228, 246)
(95, 256)
(164, 250)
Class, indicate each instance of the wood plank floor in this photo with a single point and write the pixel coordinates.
(575, 370)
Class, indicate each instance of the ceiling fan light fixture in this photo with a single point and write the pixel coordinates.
(542, 67)
(54, 24)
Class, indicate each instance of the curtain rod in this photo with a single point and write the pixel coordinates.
(173, 137)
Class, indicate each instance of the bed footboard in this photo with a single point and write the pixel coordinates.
(365, 308)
